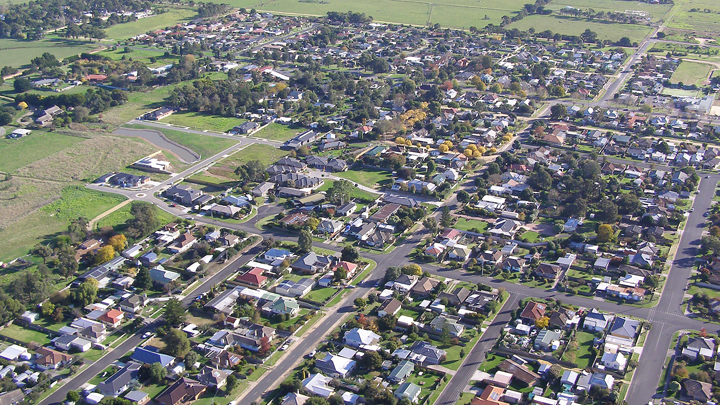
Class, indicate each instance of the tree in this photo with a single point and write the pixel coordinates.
(72, 396)
(43, 251)
(143, 281)
(558, 111)
(118, 242)
(316, 401)
(231, 383)
(340, 274)
(674, 386)
(157, 373)
(341, 191)
(463, 196)
(605, 233)
(555, 372)
(104, 254)
(5, 117)
(542, 322)
(350, 254)
(372, 360)
(86, 292)
(607, 211)
(22, 85)
(710, 243)
(264, 346)
(174, 312)
(431, 224)
(445, 217)
(412, 269)
(191, 358)
(48, 308)
(360, 302)
(392, 273)
(176, 343)
(305, 241)
(445, 335)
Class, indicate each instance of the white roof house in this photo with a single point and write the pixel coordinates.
(318, 385)
(361, 337)
(13, 352)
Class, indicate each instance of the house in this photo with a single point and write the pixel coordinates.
(424, 287)
(162, 276)
(181, 391)
(183, 243)
(133, 303)
(614, 361)
(491, 395)
(697, 390)
(317, 384)
(113, 317)
(405, 283)
(361, 338)
(137, 397)
(569, 377)
(602, 380)
(547, 270)
(408, 390)
(302, 139)
(276, 254)
(213, 377)
(335, 366)
(455, 298)
(330, 226)
(29, 316)
(298, 288)
(384, 213)
(50, 359)
(94, 333)
(558, 320)
(151, 355)
(282, 306)
(245, 128)
(595, 321)
(442, 322)
(69, 342)
(262, 189)
(505, 228)
(312, 263)
(401, 372)
(253, 277)
(389, 307)
(327, 164)
(426, 354)
(624, 328)
(182, 194)
(348, 267)
(532, 312)
(226, 360)
(519, 372)
(121, 380)
(547, 340)
(294, 399)
(699, 346)
(572, 224)
(459, 253)
(513, 263)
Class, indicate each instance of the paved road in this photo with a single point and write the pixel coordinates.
(135, 340)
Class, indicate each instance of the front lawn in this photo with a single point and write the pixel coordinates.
(321, 294)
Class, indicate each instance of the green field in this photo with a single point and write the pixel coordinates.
(204, 145)
(18, 53)
(78, 201)
(278, 132)
(574, 26)
(138, 104)
(356, 193)
(16, 153)
(203, 121)
(698, 20)
(368, 177)
(321, 294)
(169, 19)
(119, 217)
(690, 73)
(464, 224)
(266, 154)
(447, 13)
(655, 11)
(25, 335)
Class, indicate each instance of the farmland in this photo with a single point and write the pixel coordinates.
(173, 16)
(15, 153)
(690, 73)
(18, 53)
(696, 20)
(655, 11)
(576, 26)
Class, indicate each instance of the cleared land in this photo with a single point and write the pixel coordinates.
(266, 154)
(690, 73)
(203, 121)
(368, 177)
(131, 29)
(576, 26)
(78, 201)
(19, 53)
(697, 20)
(138, 104)
(204, 145)
(278, 132)
(15, 153)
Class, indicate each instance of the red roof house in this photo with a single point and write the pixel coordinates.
(253, 277)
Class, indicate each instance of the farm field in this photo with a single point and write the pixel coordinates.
(278, 132)
(204, 145)
(131, 29)
(575, 26)
(696, 21)
(690, 73)
(19, 53)
(654, 10)
(203, 121)
(454, 14)
(15, 153)
(266, 154)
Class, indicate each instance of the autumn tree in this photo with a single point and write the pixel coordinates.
(605, 233)
(104, 254)
(412, 269)
(264, 346)
(542, 322)
(118, 242)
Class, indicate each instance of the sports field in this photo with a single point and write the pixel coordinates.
(453, 14)
(19, 53)
(575, 26)
(690, 73)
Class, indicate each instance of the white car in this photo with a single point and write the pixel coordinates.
(147, 335)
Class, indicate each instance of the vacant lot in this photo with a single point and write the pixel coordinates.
(15, 153)
(266, 154)
(690, 73)
(278, 132)
(78, 201)
(203, 121)
(473, 225)
(25, 335)
(368, 177)
(356, 193)
(19, 53)
(172, 17)
(575, 26)
(204, 145)
(138, 104)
